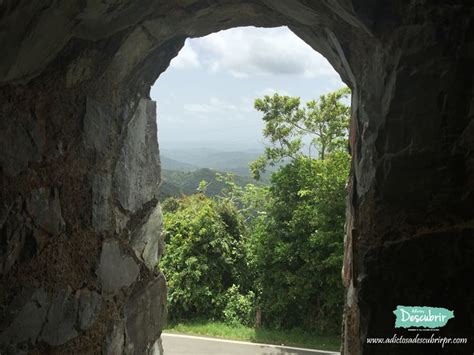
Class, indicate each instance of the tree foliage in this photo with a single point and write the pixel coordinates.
(321, 125)
(298, 247)
(202, 255)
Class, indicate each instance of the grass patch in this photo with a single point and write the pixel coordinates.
(292, 337)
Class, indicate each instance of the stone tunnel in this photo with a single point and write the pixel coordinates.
(80, 168)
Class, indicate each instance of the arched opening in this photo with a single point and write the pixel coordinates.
(238, 254)
(78, 163)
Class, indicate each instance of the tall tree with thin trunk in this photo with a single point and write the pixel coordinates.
(315, 130)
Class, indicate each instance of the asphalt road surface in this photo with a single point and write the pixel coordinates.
(180, 344)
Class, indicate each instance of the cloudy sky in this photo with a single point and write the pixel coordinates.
(207, 93)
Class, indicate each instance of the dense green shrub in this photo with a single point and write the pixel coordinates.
(222, 261)
(202, 255)
(239, 308)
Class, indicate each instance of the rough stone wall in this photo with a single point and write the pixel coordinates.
(80, 223)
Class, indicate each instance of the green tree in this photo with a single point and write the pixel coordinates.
(298, 247)
(321, 124)
(203, 255)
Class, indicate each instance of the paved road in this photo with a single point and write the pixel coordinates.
(178, 344)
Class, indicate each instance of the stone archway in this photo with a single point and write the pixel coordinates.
(80, 166)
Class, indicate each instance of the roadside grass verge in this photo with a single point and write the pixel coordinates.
(293, 337)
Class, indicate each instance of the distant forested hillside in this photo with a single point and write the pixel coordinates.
(177, 183)
(173, 164)
(236, 162)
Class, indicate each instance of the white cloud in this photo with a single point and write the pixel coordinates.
(187, 58)
(215, 105)
(251, 51)
(198, 108)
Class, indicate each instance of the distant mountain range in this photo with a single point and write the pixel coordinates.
(183, 169)
(236, 162)
(176, 183)
(172, 164)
